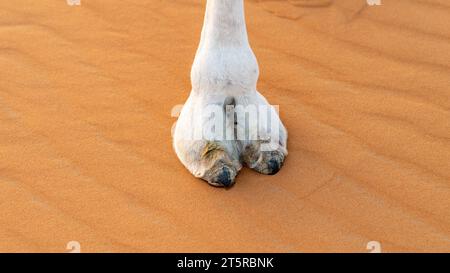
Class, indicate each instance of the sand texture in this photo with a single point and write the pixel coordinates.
(86, 95)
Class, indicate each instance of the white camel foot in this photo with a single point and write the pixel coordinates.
(226, 122)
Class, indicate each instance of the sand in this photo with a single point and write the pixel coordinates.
(86, 95)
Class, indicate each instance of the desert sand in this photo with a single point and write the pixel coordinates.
(87, 92)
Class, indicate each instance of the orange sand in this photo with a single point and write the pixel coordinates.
(86, 94)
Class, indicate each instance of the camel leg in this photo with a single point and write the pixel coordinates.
(265, 152)
(207, 154)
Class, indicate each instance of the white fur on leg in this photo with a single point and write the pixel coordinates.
(225, 71)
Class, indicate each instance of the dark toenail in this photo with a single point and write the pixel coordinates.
(224, 178)
(274, 166)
